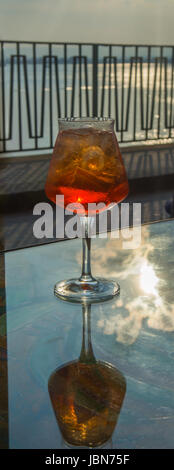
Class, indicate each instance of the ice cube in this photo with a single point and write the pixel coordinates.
(92, 158)
(84, 179)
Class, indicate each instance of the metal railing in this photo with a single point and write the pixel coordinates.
(40, 82)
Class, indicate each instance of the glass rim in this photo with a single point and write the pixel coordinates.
(86, 119)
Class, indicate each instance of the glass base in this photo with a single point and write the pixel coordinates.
(92, 290)
(105, 445)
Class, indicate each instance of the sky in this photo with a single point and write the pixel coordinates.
(107, 21)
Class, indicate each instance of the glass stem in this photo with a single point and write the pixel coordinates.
(86, 275)
(86, 354)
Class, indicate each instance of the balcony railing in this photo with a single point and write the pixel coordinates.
(41, 82)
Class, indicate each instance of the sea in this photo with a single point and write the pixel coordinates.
(138, 95)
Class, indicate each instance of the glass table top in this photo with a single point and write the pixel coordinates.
(133, 332)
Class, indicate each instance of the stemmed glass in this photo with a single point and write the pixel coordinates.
(86, 169)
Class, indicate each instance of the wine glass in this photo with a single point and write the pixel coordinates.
(86, 169)
(87, 395)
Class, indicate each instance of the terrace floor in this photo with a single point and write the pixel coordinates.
(150, 172)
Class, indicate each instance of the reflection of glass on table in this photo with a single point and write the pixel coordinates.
(87, 395)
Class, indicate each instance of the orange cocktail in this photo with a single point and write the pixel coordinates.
(87, 167)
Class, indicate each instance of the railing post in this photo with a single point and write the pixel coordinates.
(95, 81)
